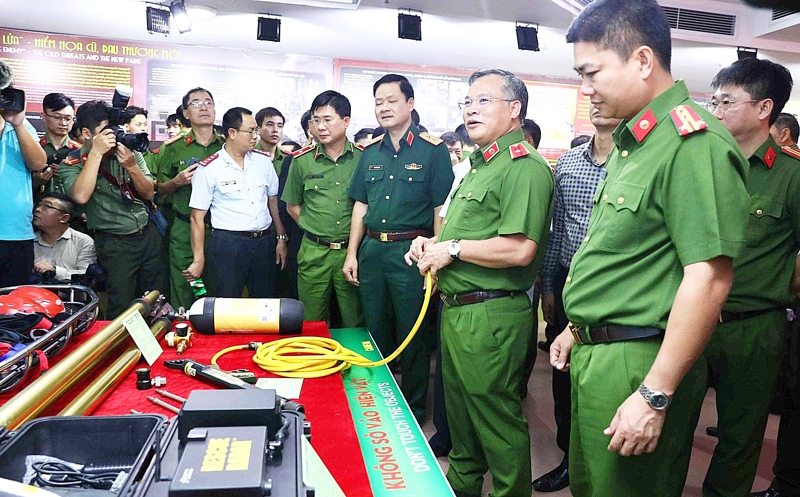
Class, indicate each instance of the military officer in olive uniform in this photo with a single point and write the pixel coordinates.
(58, 115)
(744, 353)
(647, 284)
(485, 257)
(401, 182)
(176, 162)
(316, 197)
(112, 183)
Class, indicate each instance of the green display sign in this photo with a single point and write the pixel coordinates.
(398, 459)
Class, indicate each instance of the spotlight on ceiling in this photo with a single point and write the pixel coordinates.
(269, 28)
(746, 53)
(528, 36)
(409, 24)
(182, 20)
(157, 20)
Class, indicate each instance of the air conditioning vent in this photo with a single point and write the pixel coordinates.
(703, 22)
(583, 3)
(778, 14)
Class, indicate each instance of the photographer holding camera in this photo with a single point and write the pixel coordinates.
(113, 184)
(58, 115)
(20, 153)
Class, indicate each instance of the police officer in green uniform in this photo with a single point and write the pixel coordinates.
(112, 182)
(270, 123)
(647, 284)
(401, 182)
(58, 115)
(316, 198)
(744, 353)
(176, 162)
(486, 256)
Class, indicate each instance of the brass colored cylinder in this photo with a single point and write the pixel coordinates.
(47, 389)
(88, 400)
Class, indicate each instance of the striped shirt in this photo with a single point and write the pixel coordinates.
(576, 177)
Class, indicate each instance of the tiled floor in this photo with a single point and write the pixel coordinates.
(538, 408)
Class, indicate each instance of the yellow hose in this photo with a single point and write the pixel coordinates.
(314, 357)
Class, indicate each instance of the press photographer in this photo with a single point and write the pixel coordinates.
(113, 184)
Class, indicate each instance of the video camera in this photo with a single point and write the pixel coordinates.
(10, 98)
(59, 156)
(134, 141)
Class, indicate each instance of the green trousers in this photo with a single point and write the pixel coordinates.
(319, 275)
(743, 360)
(603, 377)
(391, 299)
(483, 357)
(180, 258)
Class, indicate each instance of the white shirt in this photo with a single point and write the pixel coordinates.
(70, 254)
(459, 171)
(237, 198)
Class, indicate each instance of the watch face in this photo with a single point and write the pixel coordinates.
(659, 400)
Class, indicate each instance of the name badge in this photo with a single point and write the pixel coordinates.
(375, 168)
(413, 166)
(315, 176)
(229, 186)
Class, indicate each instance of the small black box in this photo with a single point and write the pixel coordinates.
(409, 27)
(206, 408)
(269, 29)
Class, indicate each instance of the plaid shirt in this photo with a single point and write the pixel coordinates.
(577, 175)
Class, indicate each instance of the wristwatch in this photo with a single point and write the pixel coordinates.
(657, 400)
(283, 237)
(455, 248)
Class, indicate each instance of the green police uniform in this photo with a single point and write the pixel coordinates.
(319, 184)
(277, 161)
(127, 245)
(744, 353)
(401, 189)
(51, 149)
(174, 156)
(508, 190)
(674, 195)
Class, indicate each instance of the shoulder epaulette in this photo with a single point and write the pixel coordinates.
(791, 151)
(172, 140)
(71, 161)
(262, 152)
(375, 139)
(208, 160)
(304, 150)
(73, 144)
(518, 150)
(686, 120)
(430, 138)
(358, 146)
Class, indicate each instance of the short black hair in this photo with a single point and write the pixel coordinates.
(295, 146)
(761, 78)
(91, 114)
(450, 138)
(69, 205)
(415, 116)
(185, 101)
(130, 112)
(623, 26)
(530, 128)
(405, 85)
(304, 122)
(461, 131)
(579, 140)
(186, 123)
(268, 112)
(233, 118)
(789, 121)
(57, 101)
(363, 133)
(339, 102)
(172, 120)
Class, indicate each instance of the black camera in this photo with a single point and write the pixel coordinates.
(12, 99)
(134, 141)
(59, 156)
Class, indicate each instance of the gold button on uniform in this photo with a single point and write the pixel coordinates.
(569, 278)
(585, 239)
(469, 194)
(605, 197)
(338, 202)
(387, 197)
(444, 222)
(337, 222)
(620, 200)
(460, 195)
(759, 212)
(383, 221)
(474, 171)
(410, 180)
(624, 153)
(337, 183)
(317, 188)
(391, 176)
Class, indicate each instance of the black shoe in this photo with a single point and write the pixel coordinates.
(770, 492)
(552, 481)
(439, 449)
(544, 346)
(712, 431)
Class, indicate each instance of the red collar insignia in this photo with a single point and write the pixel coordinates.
(410, 138)
(43, 141)
(769, 157)
(644, 125)
(518, 150)
(189, 138)
(490, 152)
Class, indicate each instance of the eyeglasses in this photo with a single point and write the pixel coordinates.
(43, 206)
(63, 119)
(253, 131)
(726, 104)
(204, 103)
(481, 101)
(327, 121)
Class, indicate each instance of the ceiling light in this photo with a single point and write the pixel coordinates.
(201, 12)
(182, 20)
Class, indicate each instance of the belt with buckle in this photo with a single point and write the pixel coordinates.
(397, 236)
(611, 333)
(129, 235)
(247, 234)
(331, 245)
(726, 316)
(474, 297)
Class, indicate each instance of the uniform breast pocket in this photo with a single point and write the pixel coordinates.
(230, 187)
(413, 185)
(374, 185)
(765, 213)
(469, 209)
(618, 230)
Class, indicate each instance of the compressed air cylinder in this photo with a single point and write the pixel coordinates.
(213, 315)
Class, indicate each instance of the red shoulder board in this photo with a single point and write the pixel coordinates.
(172, 140)
(518, 150)
(791, 151)
(71, 161)
(73, 144)
(208, 160)
(769, 157)
(644, 125)
(686, 120)
(43, 141)
(155, 152)
(358, 146)
(262, 152)
(430, 138)
(375, 139)
(304, 150)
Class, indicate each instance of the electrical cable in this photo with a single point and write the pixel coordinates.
(55, 474)
(315, 357)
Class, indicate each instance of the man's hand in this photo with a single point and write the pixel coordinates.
(281, 254)
(103, 142)
(43, 176)
(417, 249)
(42, 267)
(435, 258)
(560, 350)
(185, 177)
(636, 427)
(125, 156)
(549, 308)
(55, 167)
(350, 269)
(194, 271)
(14, 118)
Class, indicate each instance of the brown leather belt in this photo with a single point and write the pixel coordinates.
(331, 245)
(611, 333)
(397, 236)
(247, 234)
(474, 297)
(726, 316)
(129, 235)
